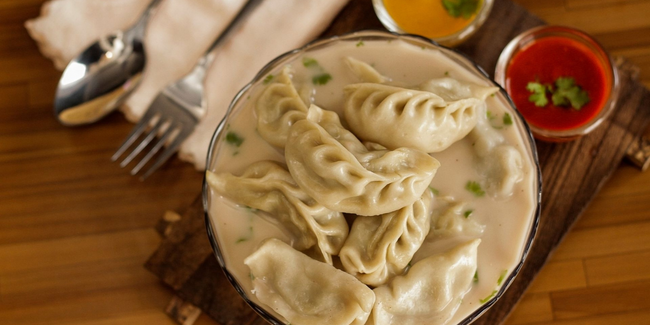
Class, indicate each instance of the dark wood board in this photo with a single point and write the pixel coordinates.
(572, 174)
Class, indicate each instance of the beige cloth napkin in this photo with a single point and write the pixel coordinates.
(177, 35)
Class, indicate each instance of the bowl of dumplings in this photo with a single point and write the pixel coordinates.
(372, 178)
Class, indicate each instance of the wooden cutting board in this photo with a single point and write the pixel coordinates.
(572, 175)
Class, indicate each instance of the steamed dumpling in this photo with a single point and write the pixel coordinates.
(448, 219)
(364, 71)
(430, 292)
(499, 164)
(331, 165)
(305, 291)
(400, 117)
(278, 107)
(379, 247)
(268, 187)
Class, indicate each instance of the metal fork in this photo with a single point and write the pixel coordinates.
(176, 110)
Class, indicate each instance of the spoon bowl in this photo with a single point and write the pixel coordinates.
(99, 79)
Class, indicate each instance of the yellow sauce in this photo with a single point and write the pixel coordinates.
(426, 17)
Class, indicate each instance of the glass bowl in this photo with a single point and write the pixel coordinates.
(447, 40)
(527, 38)
(357, 37)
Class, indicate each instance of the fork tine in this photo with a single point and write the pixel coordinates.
(169, 151)
(170, 130)
(150, 136)
(135, 133)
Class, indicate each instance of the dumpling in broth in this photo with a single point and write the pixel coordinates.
(379, 247)
(331, 165)
(278, 107)
(364, 71)
(305, 291)
(430, 292)
(401, 117)
(268, 187)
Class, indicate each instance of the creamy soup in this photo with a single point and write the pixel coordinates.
(320, 76)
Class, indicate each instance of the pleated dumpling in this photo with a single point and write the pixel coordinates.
(268, 187)
(449, 219)
(305, 291)
(278, 107)
(401, 117)
(379, 247)
(364, 71)
(500, 165)
(430, 292)
(335, 168)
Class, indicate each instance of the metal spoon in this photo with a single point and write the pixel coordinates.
(99, 79)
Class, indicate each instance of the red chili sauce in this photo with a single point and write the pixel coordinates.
(545, 60)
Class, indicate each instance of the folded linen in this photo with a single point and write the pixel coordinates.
(177, 35)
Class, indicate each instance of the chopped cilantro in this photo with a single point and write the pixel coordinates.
(321, 79)
(567, 92)
(502, 277)
(309, 62)
(434, 191)
(474, 188)
(446, 73)
(268, 79)
(486, 299)
(468, 213)
(234, 139)
(360, 43)
(247, 237)
(476, 276)
(538, 96)
(464, 8)
(507, 119)
(241, 240)
(251, 275)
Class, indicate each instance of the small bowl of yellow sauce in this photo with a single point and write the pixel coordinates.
(448, 22)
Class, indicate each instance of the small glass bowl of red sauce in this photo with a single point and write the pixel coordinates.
(570, 70)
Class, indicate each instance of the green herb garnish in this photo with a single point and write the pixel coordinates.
(234, 139)
(251, 275)
(502, 276)
(475, 277)
(458, 8)
(538, 96)
(507, 119)
(567, 92)
(247, 237)
(321, 79)
(486, 299)
(360, 43)
(446, 73)
(434, 191)
(309, 62)
(268, 79)
(468, 213)
(474, 188)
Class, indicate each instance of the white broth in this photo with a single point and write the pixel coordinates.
(507, 220)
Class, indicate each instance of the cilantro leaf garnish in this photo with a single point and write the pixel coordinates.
(507, 119)
(309, 62)
(486, 299)
(268, 79)
(234, 139)
(434, 191)
(538, 96)
(360, 43)
(502, 276)
(458, 8)
(476, 276)
(321, 79)
(567, 92)
(468, 213)
(475, 188)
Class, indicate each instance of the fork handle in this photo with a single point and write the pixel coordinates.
(234, 25)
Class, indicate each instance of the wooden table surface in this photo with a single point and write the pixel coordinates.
(75, 229)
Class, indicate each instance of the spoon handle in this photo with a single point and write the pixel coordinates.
(138, 29)
(234, 25)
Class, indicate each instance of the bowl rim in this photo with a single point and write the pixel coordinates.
(521, 41)
(528, 138)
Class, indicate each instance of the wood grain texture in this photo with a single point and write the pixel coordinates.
(75, 228)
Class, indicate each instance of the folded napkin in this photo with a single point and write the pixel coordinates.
(177, 35)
